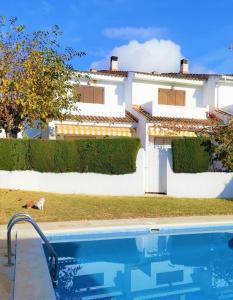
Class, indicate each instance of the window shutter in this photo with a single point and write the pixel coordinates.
(180, 98)
(171, 97)
(99, 95)
(88, 94)
(79, 92)
(163, 96)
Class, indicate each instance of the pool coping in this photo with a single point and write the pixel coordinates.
(29, 263)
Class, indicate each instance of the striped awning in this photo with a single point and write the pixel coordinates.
(165, 132)
(81, 130)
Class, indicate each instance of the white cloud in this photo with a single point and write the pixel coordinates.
(129, 33)
(152, 55)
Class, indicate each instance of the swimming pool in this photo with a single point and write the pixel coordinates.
(172, 264)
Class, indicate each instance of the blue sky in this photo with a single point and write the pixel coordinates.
(149, 34)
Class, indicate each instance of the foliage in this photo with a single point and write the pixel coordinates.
(191, 155)
(109, 156)
(14, 155)
(34, 76)
(222, 144)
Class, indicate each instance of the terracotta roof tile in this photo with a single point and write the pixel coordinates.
(223, 112)
(176, 123)
(128, 118)
(115, 73)
(194, 76)
(189, 76)
(106, 73)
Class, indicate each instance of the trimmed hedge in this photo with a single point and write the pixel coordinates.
(106, 156)
(14, 155)
(190, 155)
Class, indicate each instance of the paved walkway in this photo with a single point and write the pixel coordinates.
(76, 225)
(7, 274)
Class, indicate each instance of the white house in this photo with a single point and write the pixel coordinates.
(154, 106)
(101, 110)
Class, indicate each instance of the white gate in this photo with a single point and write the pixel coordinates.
(156, 166)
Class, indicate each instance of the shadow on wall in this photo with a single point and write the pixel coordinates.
(228, 108)
(147, 106)
(227, 192)
(119, 92)
(199, 98)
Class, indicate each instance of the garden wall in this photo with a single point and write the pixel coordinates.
(77, 183)
(199, 185)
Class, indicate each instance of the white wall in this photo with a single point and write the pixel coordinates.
(146, 95)
(209, 92)
(225, 97)
(174, 111)
(77, 183)
(103, 110)
(199, 185)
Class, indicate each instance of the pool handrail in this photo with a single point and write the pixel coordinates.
(53, 254)
(17, 216)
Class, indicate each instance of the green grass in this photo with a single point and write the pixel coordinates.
(75, 207)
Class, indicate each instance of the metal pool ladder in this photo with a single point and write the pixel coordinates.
(53, 260)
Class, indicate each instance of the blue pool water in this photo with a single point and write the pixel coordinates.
(168, 265)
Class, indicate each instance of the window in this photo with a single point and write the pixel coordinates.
(171, 97)
(89, 94)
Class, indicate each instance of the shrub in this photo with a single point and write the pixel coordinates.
(14, 155)
(107, 156)
(191, 155)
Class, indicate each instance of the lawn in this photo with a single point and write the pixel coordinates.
(74, 207)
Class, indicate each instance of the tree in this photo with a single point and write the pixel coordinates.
(35, 77)
(222, 144)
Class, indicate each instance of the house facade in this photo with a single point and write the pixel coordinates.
(101, 110)
(156, 107)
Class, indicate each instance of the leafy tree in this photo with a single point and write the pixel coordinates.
(35, 76)
(222, 144)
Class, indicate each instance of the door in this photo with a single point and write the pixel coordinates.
(156, 165)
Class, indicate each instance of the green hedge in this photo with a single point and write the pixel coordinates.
(107, 156)
(190, 155)
(14, 155)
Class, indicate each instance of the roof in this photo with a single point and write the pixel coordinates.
(106, 73)
(223, 115)
(113, 72)
(175, 75)
(223, 112)
(176, 123)
(128, 118)
(189, 76)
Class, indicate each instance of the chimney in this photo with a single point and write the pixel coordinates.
(184, 66)
(114, 63)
